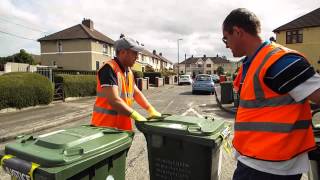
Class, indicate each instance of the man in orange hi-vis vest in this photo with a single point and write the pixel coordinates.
(273, 128)
(116, 89)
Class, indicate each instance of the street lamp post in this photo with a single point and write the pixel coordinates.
(178, 59)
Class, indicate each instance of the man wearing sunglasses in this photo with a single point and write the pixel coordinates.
(273, 131)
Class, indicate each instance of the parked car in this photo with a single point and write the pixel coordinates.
(203, 83)
(185, 79)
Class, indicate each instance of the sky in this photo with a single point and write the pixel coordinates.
(158, 24)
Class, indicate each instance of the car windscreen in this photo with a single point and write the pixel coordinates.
(203, 78)
(184, 77)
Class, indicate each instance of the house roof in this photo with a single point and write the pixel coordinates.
(312, 19)
(148, 53)
(79, 31)
(215, 60)
(164, 59)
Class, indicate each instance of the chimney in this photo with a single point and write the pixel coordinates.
(154, 52)
(204, 56)
(88, 23)
(121, 35)
(192, 56)
(217, 55)
(160, 54)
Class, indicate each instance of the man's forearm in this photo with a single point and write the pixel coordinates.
(315, 97)
(141, 99)
(121, 107)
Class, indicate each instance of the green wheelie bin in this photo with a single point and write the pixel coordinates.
(184, 147)
(80, 153)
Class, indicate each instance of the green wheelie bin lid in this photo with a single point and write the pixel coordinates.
(205, 131)
(66, 152)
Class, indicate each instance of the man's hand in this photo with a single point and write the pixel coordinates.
(153, 113)
(137, 117)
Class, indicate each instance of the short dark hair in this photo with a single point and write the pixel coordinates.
(244, 19)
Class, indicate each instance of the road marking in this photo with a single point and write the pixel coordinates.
(167, 106)
(192, 110)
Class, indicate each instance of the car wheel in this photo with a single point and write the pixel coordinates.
(193, 92)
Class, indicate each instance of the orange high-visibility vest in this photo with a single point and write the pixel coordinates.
(270, 126)
(103, 113)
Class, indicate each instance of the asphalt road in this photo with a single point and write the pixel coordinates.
(169, 99)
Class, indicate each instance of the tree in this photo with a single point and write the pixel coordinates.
(21, 57)
(220, 70)
(149, 69)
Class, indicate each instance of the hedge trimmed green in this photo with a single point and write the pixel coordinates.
(78, 85)
(137, 74)
(24, 89)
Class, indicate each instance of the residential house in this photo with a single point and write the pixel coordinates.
(154, 61)
(165, 64)
(303, 34)
(79, 47)
(204, 65)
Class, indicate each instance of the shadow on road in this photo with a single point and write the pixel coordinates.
(214, 108)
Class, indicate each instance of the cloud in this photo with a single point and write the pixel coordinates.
(157, 24)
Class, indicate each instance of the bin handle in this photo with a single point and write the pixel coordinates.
(156, 119)
(73, 151)
(193, 129)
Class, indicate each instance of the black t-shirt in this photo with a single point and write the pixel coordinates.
(107, 76)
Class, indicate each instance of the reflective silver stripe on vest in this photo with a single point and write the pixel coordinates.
(127, 95)
(123, 96)
(272, 102)
(104, 111)
(119, 84)
(256, 83)
(272, 127)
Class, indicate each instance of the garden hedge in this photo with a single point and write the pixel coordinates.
(78, 85)
(24, 89)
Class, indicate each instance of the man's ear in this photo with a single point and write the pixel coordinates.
(122, 52)
(238, 31)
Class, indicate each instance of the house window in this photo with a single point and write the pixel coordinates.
(209, 65)
(295, 36)
(208, 72)
(59, 45)
(97, 65)
(105, 49)
(199, 66)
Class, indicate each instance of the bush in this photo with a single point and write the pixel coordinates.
(24, 89)
(137, 74)
(78, 85)
(167, 73)
(74, 72)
